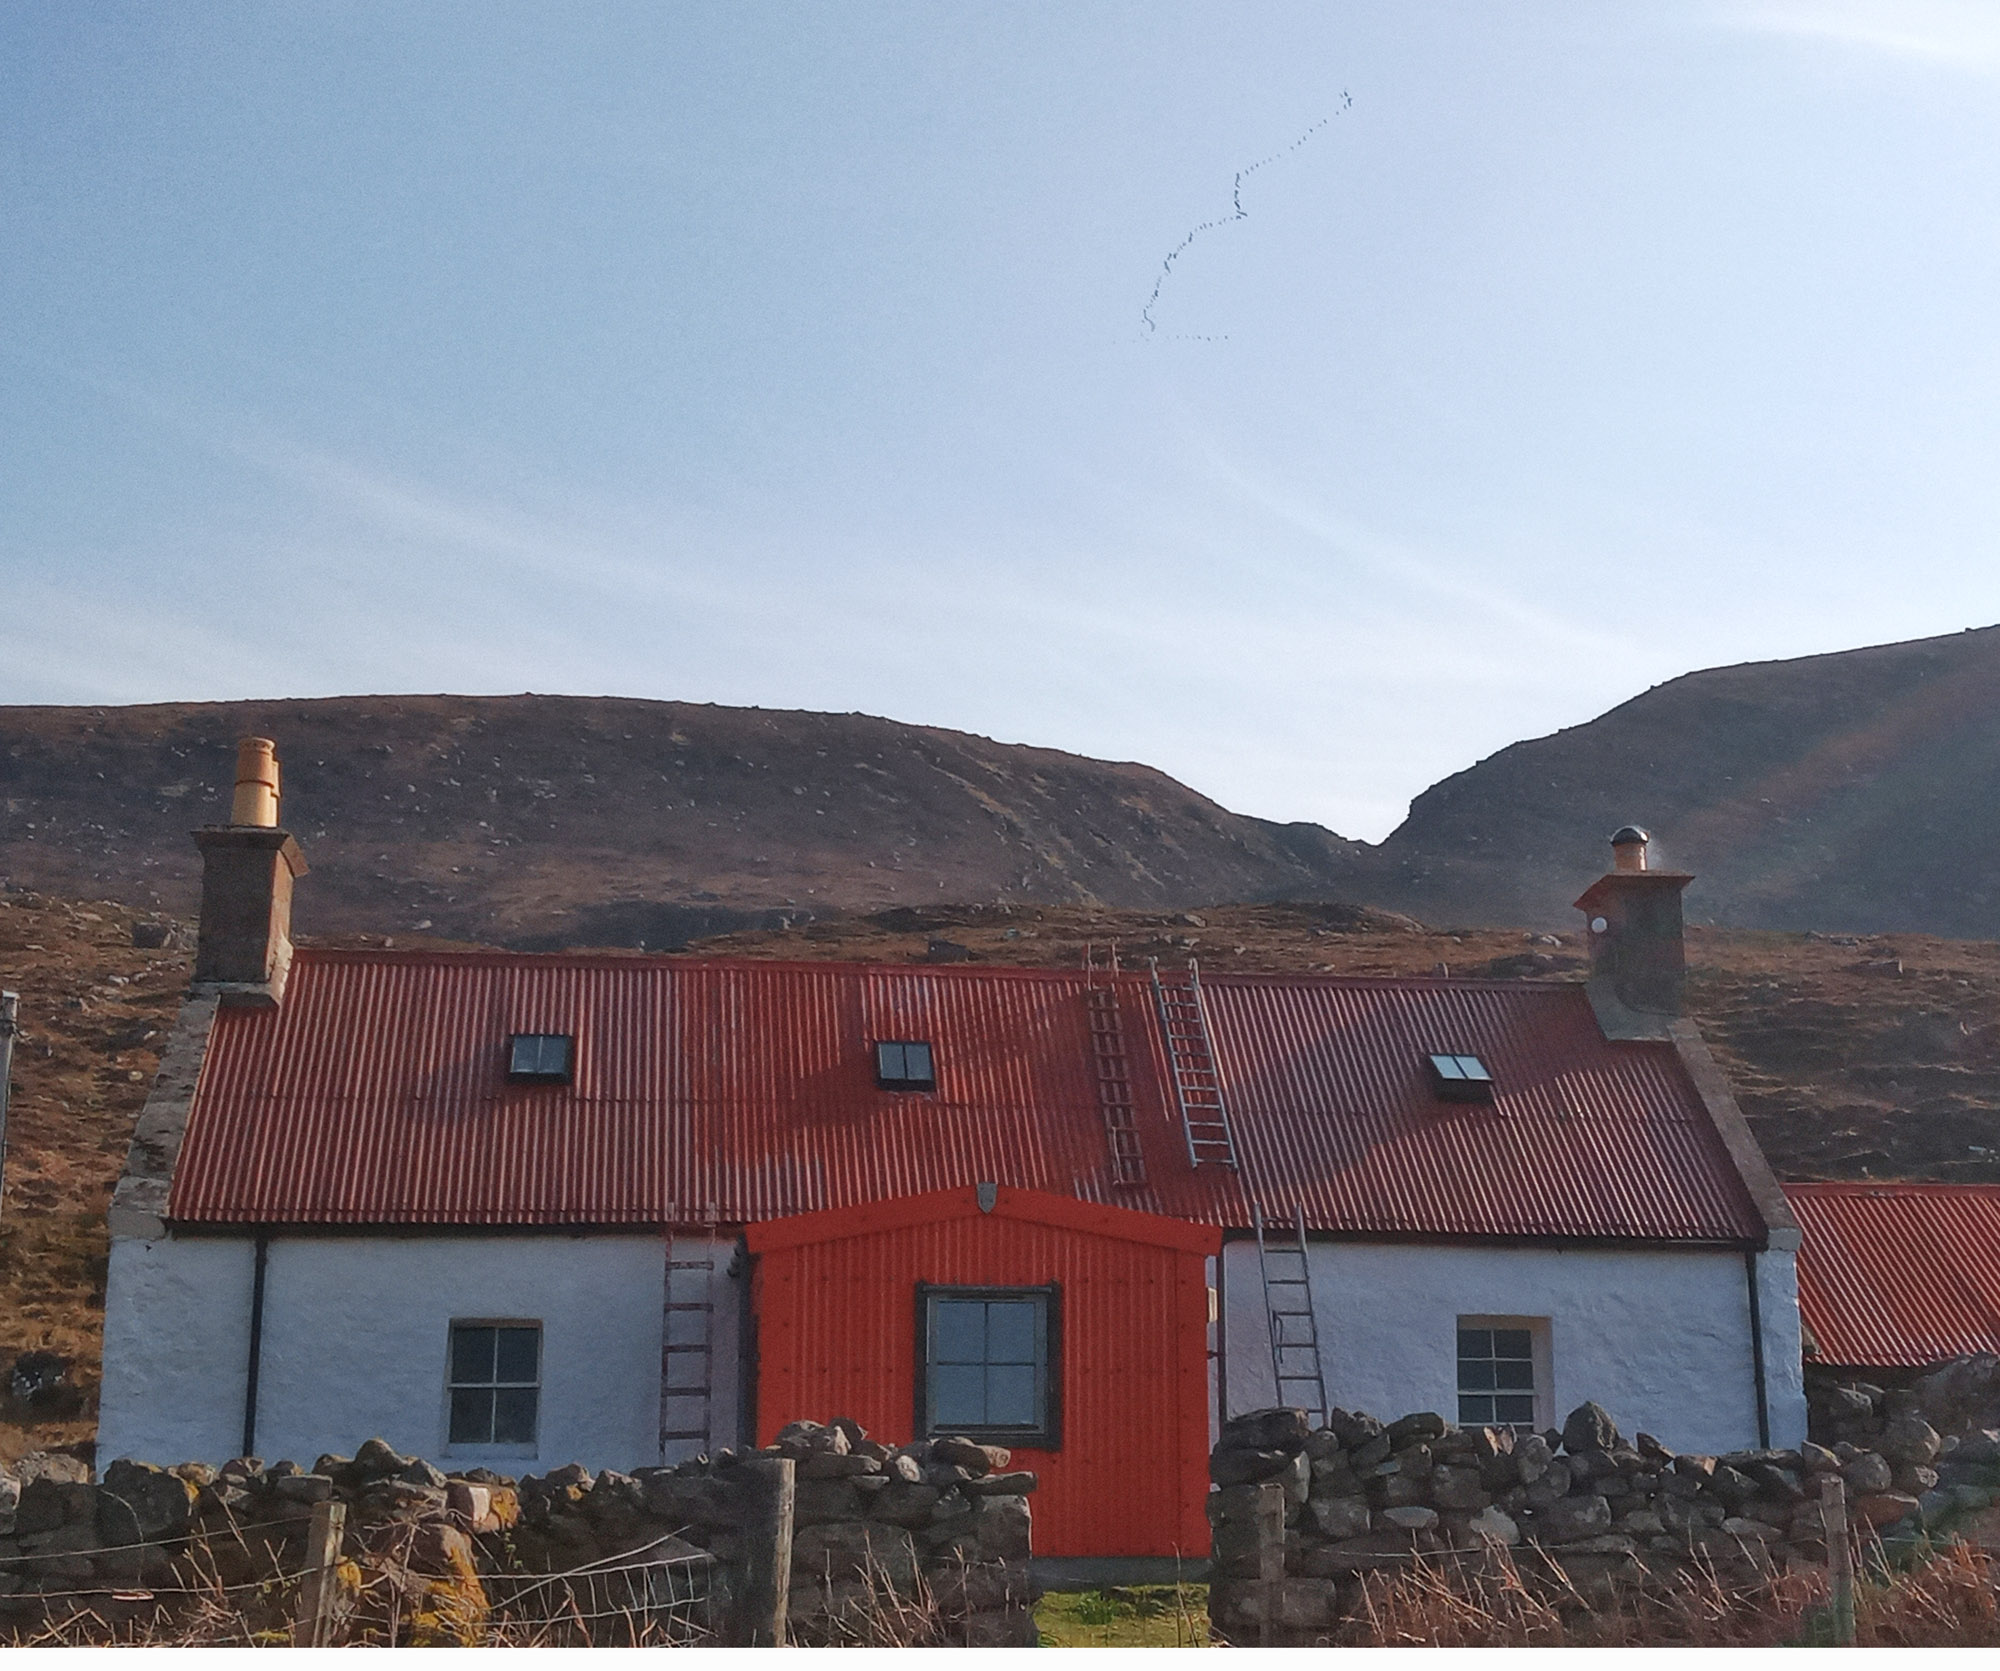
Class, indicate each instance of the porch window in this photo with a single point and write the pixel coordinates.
(496, 1383)
(990, 1364)
(1497, 1380)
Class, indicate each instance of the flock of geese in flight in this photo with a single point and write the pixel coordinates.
(1236, 212)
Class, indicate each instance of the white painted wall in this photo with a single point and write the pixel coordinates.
(176, 1344)
(1784, 1340)
(1660, 1339)
(356, 1331)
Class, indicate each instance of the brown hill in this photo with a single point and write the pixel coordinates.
(1852, 792)
(541, 820)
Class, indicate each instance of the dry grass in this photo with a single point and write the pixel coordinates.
(240, 1588)
(1949, 1600)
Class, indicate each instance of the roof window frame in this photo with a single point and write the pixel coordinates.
(896, 1072)
(1459, 1076)
(540, 1071)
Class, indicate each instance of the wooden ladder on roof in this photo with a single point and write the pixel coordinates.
(1288, 1309)
(1113, 1068)
(687, 1340)
(1191, 1060)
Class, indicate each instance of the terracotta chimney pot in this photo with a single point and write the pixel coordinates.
(256, 803)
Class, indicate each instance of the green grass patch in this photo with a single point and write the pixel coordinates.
(1141, 1616)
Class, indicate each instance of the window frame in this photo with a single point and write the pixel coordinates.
(1043, 1436)
(1458, 1085)
(1540, 1358)
(494, 1447)
(565, 1076)
(886, 1081)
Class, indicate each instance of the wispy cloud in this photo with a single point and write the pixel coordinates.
(1401, 569)
(1961, 35)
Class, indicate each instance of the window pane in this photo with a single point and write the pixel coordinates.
(514, 1416)
(1471, 1067)
(1010, 1395)
(917, 1062)
(1510, 1374)
(1511, 1343)
(1011, 1331)
(888, 1062)
(958, 1396)
(1475, 1412)
(518, 1355)
(1511, 1407)
(1475, 1343)
(959, 1332)
(1447, 1067)
(1475, 1375)
(471, 1355)
(471, 1416)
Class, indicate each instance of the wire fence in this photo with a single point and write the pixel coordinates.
(658, 1593)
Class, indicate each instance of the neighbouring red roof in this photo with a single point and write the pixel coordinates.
(1899, 1275)
(744, 1091)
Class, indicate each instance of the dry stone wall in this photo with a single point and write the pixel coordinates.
(925, 1542)
(1959, 1396)
(1581, 1508)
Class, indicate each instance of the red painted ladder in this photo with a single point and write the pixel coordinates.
(1114, 1069)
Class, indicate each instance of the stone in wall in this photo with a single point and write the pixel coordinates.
(1582, 1509)
(927, 1542)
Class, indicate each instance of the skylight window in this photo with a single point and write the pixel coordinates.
(1458, 1078)
(905, 1065)
(541, 1058)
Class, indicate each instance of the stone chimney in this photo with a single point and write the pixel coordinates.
(1638, 957)
(248, 866)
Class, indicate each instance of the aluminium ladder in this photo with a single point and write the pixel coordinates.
(1191, 1059)
(687, 1342)
(1288, 1309)
(1113, 1068)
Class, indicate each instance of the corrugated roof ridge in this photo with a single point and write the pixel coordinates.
(614, 958)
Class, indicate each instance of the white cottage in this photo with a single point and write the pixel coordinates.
(508, 1207)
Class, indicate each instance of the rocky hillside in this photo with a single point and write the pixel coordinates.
(540, 820)
(1846, 793)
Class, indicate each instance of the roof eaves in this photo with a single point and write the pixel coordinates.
(1711, 1084)
(870, 1218)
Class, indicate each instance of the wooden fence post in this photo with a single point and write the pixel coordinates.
(1839, 1558)
(1270, 1559)
(312, 1621)
(10, 1024)
(767, 1550)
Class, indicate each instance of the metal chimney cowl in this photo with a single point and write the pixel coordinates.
(244, 948)
(1638, 949)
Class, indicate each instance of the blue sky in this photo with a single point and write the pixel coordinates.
(794, 356)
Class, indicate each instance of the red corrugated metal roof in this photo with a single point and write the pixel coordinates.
(745, 1090)
(1899, 1274)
